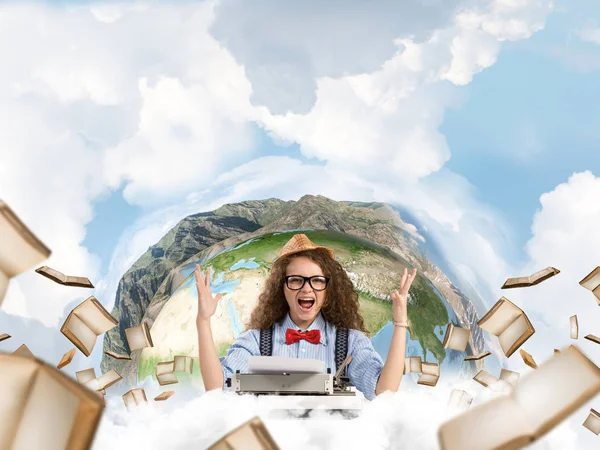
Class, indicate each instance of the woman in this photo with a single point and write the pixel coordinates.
(307, 296)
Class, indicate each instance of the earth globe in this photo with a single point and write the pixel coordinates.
(239, 274)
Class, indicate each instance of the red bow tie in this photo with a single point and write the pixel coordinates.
(312, 336)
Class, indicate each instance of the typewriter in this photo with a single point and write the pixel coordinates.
(293, 383)
(299, 394)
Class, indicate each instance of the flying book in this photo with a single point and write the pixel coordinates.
(23, 351)
(65, 280)
(531, 280)
(43, 408)
(20, 249)
(528, 359)
(541, 401)
(456, 338)
(430, 374)
(477, 357)
(164, 373)
(134, 397)
(412, 364)
(485, 378)
(592, 283)
(510, 377)
(163, 396)
(183, 364)
(460, 399)
(66, 359)
(252, 435)
(139, 337)
(105, 381)
(592, 422)
(574, 327)
(4, 337)
(117, 355)
(84, 376)
(509, 323)
(85, 323)
(591, 337)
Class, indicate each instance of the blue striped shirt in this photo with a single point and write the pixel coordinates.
(363, 371)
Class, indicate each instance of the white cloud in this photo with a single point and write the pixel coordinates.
(564, 235)
(408, 419)
(386, 122)
(590, 32)
(293, 45)
(137, 94)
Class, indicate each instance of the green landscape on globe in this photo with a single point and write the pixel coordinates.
(374, 270)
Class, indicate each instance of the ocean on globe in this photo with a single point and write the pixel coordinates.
(239, 274)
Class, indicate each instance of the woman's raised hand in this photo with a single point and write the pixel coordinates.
(207, 304)
(400, 296)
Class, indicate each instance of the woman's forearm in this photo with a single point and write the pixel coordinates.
(210, 366)
(393, 369)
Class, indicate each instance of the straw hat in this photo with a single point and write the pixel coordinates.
(299, 243)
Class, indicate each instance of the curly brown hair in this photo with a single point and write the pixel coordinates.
(341, 306)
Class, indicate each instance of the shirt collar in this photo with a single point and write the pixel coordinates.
(318, 324)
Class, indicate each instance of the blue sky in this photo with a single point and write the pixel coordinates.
(527, 123)
(530, 122)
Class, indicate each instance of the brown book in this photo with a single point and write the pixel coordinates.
(88, 379)
(23, 351)
(591, 337)
(134, 397)
(592, 422)
(66, 359)
(20, 249)
(510, 377)
(485, 378)
(163, 396)
(574, 327)
(108, 379)
(117, 355)
(507, 321)
(456, 338)
(65, 280)
(592, 283)
(43, 408)
(539, 402)
(183, 364)
(460, 399)
(251, 435)
(4, 337)
(84, 376)
(477, 357)
(412, 364)
(139, 337)
(430, 375)
(85, 323)
(528, 359)
(164, 373)
(531, 280)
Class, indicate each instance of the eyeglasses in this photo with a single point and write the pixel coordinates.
(296, 282)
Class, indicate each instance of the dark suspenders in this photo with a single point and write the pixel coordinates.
(341, 344)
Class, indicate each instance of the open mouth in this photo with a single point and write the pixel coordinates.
(306, 303)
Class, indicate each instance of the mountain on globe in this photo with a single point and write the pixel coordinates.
(240, 242)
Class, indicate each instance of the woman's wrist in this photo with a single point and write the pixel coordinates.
(202, 321)
(401, 317)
